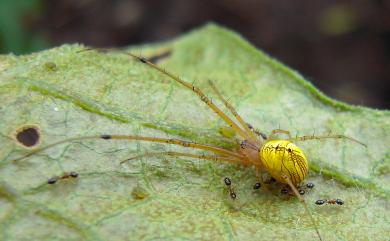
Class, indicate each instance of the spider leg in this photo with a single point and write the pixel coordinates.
(231, 160)
(329, 136)
(278, 131)
(232, 110)
(198, 92)
(302, 200)
(217, 150)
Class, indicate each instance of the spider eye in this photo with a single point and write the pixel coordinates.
(289, 150)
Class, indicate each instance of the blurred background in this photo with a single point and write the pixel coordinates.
(342, 46)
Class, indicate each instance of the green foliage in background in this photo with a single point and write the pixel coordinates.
(14, 34)
(69, 93)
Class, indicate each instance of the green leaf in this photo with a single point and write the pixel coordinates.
(69, 93)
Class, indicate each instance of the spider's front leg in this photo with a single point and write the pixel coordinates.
(327, 136)
(278, 131)
(297, 194)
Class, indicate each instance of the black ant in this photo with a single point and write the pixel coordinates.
(301, 191)
(228, 183)
(331, 201)
(66, 175)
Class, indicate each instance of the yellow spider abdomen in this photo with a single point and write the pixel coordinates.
(282, 157)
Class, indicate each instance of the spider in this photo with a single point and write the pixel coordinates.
(283, 160)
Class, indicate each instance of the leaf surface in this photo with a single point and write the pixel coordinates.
(70, 93)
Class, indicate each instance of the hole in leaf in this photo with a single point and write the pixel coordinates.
(28, 135)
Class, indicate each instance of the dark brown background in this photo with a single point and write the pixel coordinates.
(343, 47)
